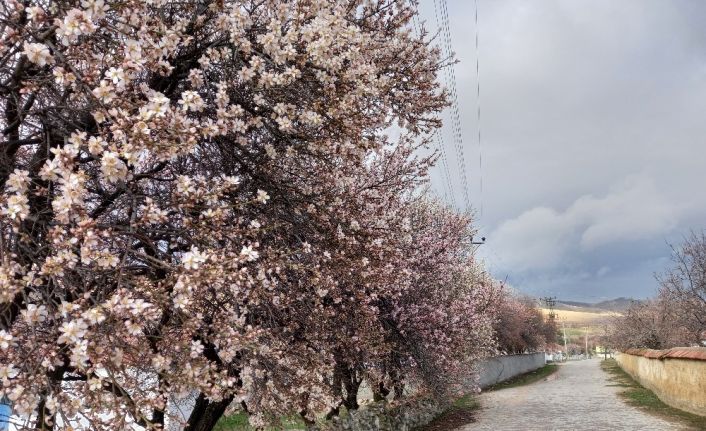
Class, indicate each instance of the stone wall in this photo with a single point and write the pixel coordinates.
(676, 376)
(413, 413)
(384, 416)
(500, 368)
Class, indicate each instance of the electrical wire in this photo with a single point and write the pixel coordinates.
(480, 142)
(441, 9)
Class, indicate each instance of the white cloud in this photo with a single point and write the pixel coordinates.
(535, 239)
(633, 210)
(574, 97)
(603, 271)
(544, 238)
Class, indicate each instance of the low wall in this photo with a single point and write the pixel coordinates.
(417, 412)
(676, 376)
(500, 368)
(382, 416)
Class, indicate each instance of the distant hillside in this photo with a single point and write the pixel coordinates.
(587, 314)
(618, 304)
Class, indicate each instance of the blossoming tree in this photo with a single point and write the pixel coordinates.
(683, 288)
(198, 196)
(521, 327)
(676, 317)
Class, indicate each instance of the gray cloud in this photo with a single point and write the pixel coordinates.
(634, 210)
(594, 137)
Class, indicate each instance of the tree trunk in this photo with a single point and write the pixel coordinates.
(337, 392)
(380, 392)
(352, 384)
(206, 413)
(45, 420)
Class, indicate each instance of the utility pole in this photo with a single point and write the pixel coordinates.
(550, 302)
(563, 327)
(586, 336)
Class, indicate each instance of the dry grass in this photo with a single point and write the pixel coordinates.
(638, 396)
(582, 317)
(462, 412)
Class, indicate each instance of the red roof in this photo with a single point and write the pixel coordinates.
(697, 353)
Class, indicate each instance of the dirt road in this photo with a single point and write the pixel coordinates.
(577, 397)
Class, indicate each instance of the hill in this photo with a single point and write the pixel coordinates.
(575, 313)
(618, 304)
(614, 305)
(582, 316)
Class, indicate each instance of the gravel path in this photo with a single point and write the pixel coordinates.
(576, 397)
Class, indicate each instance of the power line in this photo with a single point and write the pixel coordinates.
(441, 145)
(480, 146)
(438, 140)
(442, 19)
(451, 84)
(445, 166)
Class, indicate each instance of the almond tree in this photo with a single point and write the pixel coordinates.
(683, 287)
(445, 318)
(651, 324)
(198, 196)
(521, 327)
(642, 325)
(677, 316)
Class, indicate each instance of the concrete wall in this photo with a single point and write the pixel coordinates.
(500, 368)
(679, 382)
(489, 372)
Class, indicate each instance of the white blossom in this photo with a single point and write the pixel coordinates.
(18, 181)
(193, 259)
(34, 13)
(181, 301)
(112, 168)
(105, 91)
(5, 339)
(262, 196)
(116, 75)
(38, 54)
(72, 331)
(96, 144)
(75, 23)
(133, 328)
(17, 207)
(249, 254)
(95, 384)
(96, 9)
(33, 314)
(94, 316)
(8, 372)
(191, 101)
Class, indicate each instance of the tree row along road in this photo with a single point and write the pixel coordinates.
(577, 397)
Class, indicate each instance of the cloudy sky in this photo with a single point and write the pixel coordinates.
(593, 138)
